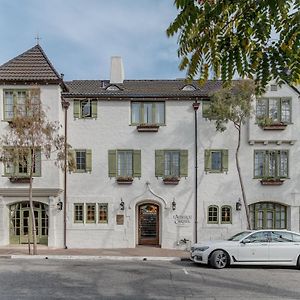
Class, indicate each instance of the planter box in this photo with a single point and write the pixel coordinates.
(19, 179)
(124, 180)
(271, 181)
(147, 128)
(274, 127)
(172, 181)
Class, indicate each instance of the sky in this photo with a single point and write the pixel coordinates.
(80, 36)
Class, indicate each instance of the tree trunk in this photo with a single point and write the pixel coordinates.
(241, 180)
(31, 205)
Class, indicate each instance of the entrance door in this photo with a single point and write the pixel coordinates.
(148, 224)
(21, 226)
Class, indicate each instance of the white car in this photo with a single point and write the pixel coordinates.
(259, 247)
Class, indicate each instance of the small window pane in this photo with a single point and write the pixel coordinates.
(216, 160)
(285, 111)
(135, 113)
(125, 163)
(78, 213)
(90, 213)
(86, 109)
(226, 214)
(148, 111)
(80, 160)
(102, 213)
(213, 213)
(273, 109)
(160, 113)
(261, 108)
(172, 163)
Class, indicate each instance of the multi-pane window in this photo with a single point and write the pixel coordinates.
(102, 213)
(85, 109)
(268, 215)
(83, 160)
(226, 214)
(18, 163)
(277, 110)
(271, 163)
(216, 161)
(124, 163)
(90, 213)
(78, 213)
(172, 163)
(148, 113)
(213, 214)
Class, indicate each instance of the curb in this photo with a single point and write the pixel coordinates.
(89, 257)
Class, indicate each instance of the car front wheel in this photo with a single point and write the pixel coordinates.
(219, 259)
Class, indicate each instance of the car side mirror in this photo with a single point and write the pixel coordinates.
(246, 241)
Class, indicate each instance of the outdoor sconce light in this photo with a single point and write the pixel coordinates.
(238, 205)
(59, 205)
(173, 204)
(122, 204)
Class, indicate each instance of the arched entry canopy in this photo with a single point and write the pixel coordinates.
(21, 226)
(268, 215)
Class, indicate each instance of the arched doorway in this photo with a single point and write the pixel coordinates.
(148, 224)
(268, 215)
(20, 223)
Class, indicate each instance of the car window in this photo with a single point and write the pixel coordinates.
(296, 237)
(259, 237)
(239, 236)
(281, 237)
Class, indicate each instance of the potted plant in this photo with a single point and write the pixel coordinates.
(124, 179)
(144, 127)
(266, 123)
(271, 181)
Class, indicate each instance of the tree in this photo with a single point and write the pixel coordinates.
(257, 39)
(30, 135)
(234, 104)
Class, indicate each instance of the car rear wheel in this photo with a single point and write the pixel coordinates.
(219, 259)
(298, 262)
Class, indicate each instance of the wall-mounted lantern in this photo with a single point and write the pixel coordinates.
(59, 205)
(173, 204)
(122, 204)
(238, 204)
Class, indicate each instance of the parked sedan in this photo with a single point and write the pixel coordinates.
(259, 247)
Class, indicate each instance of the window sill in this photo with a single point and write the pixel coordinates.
(19, 179)
(275, 126)
(270, 181)
(124, 180)
(147, 128)
(171, 181)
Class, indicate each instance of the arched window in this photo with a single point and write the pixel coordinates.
(226, 214)
(213, 214)
(268, 215)
(189, 87)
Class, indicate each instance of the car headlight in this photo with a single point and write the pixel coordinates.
(200, 248)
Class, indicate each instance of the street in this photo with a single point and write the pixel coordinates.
(100, 279)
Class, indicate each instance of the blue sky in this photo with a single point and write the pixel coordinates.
(80, 36)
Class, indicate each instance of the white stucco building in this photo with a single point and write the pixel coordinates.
(134, 146)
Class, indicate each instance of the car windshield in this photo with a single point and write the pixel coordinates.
(239, 236)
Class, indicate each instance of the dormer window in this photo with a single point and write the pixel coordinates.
(85, 109)
(188, 87)
(112, 88)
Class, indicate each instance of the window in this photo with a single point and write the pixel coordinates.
(90, 213)
(271, 163)
(83, 159)
(124, 163)
(20, 102)
(216, 161)
(85, 109)
(171, 163)
(147, 113)
(259, 237)
(189, 87)
(213, 214)
(268, 215)
(78, 213)
(278, 110)
(281, 237)
(102, 213)
(226, 214)
(18, 163)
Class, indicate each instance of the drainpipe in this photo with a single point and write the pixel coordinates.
(196, 106)
(65, 105)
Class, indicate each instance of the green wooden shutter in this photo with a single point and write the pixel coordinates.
(112, 163)
(72, 160)
(159, 163)
(94, 108)
(225, 160)
(183, 163)
(88, 164)
(38, 163)
(207, 160)
(76, 109)
(137, 163)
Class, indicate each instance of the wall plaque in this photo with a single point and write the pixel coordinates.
(120, 219)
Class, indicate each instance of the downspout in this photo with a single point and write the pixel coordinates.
(196, 106)
(65, 105)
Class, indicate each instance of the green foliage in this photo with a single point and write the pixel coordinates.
(232, 104)
(235, 37)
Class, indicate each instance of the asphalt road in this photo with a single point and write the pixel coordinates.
(69, 279)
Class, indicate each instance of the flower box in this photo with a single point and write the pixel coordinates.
(147, 128)
(271, 181)
(19, 179)
(275, 126)
(124, 180)
(171, 180)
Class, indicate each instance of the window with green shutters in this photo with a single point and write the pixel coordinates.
(124, 163)
(83, 159)
(148, 113)
(216, 161)
(85, 109)
(171, 163)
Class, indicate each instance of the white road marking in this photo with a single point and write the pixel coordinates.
(185, 271)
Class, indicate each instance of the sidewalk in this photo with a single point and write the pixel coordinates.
(138, 253)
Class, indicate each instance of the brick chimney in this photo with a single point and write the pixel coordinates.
(116, 70)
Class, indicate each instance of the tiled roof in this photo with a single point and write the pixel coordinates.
(32, 65)
(140, 88)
